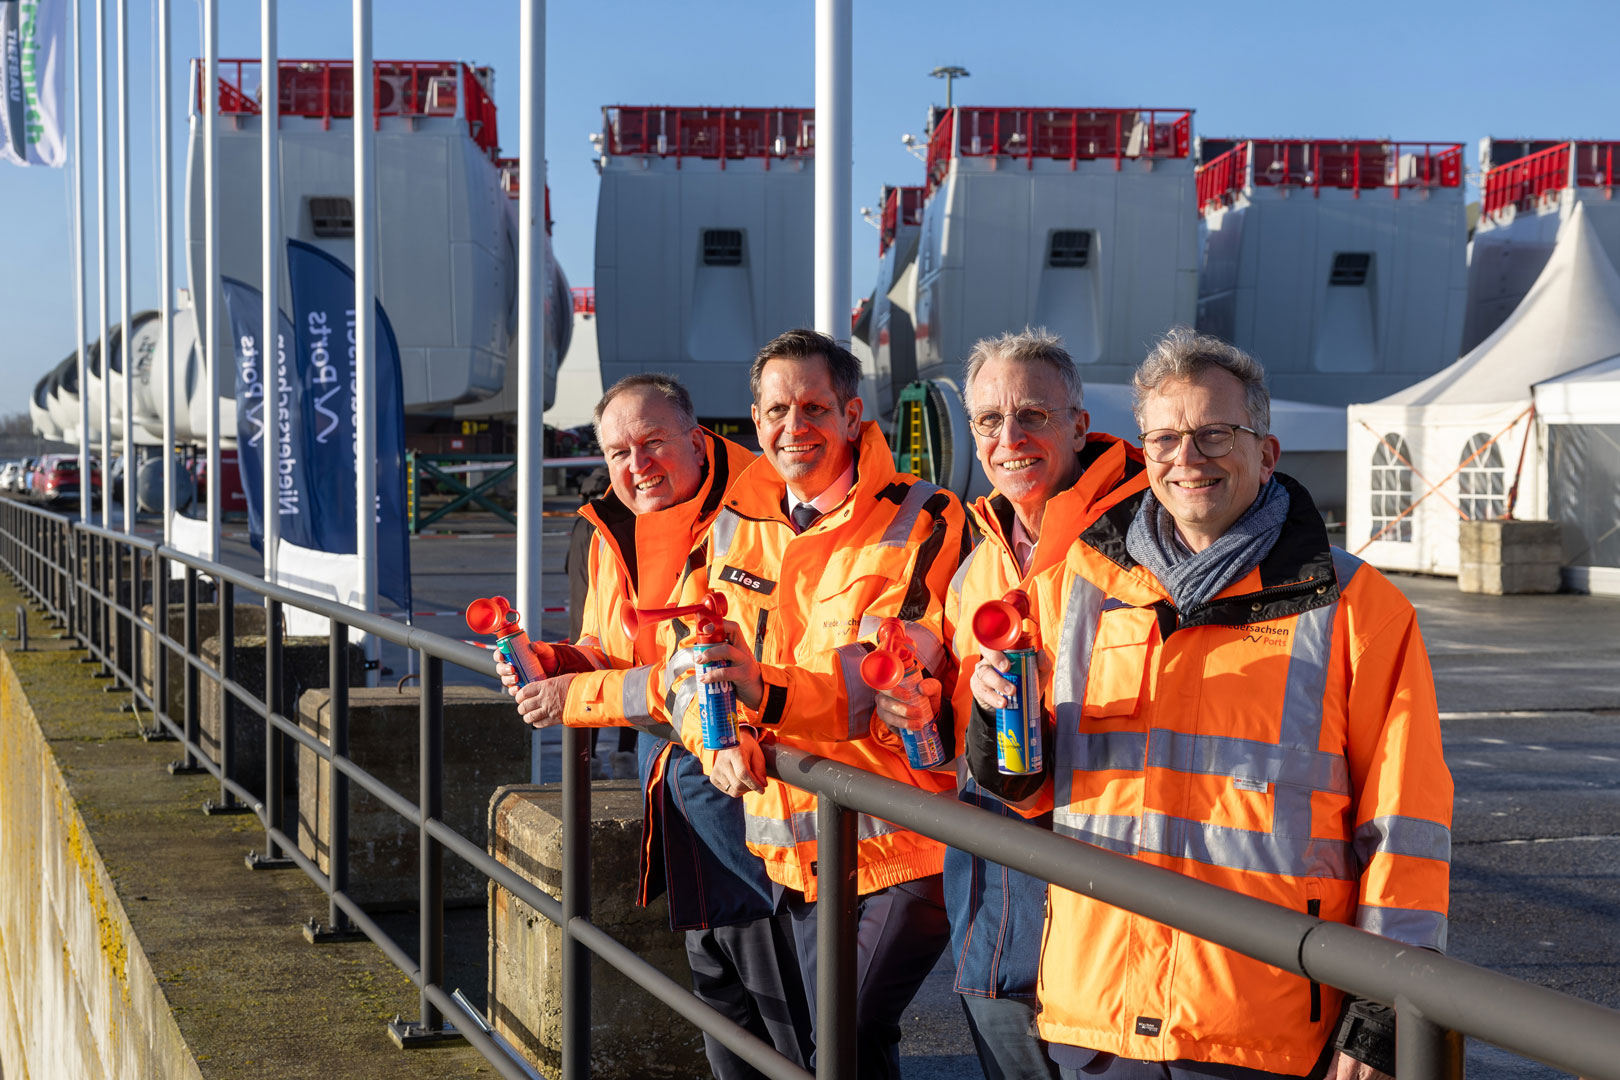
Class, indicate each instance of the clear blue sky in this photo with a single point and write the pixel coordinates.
(1435, 70)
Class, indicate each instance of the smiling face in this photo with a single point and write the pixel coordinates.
(1029, 467)
(803, 431)
(1206, 495)
(654, 461)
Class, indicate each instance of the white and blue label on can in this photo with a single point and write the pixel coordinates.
(1018, 724)
(514, 649)
(717, 706)
(924, 748)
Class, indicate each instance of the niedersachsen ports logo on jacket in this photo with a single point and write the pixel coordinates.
(811, 603)
(1281, 740)
(692, 835)
(996, 913)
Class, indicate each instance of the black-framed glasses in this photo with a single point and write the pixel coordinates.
(1212, 441)
(1031, 418)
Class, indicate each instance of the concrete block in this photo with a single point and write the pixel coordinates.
(632, 1035)
(485, 746)
(303, 667)
(249, 622)
(1508, 580)
(1508, 557)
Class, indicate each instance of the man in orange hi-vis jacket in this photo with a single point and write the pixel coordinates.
(1236, 700)
(669, 478)
(817, 542)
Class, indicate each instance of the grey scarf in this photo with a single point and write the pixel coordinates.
(1193, 578)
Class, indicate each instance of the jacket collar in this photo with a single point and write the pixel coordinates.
(761, 493)
(1110, 471)
(645, 546)
(1296, 576)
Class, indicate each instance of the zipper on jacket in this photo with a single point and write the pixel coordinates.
(1314, 907)
(1278, 592)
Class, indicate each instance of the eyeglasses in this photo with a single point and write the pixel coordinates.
(1031, 418)
(1212, 440)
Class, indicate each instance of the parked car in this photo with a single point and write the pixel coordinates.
(57, 479)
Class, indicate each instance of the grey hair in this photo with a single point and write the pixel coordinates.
(1183, 353)
(1028, 346)
(666, 386)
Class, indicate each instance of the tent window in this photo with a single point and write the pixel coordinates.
(1482, 481)
(1391, 491)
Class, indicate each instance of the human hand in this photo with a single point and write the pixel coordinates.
(908, 707)
(540, 703)
(991, 689)
(1345, 1067)
(740, 768)
(742, 671)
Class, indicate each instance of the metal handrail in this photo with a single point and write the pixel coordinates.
(1434, 995)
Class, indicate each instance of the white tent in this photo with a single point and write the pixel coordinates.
(1579, 415)
(1453, 445)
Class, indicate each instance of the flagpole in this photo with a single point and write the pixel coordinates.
(269, 279)
(85, 470)
(126, 348)
(210, 337)
(530, 355)
(166, 265)
(101, 232)
(365, 301)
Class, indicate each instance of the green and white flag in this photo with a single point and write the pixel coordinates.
(32, 51)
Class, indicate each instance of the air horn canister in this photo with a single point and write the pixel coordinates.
(894, 666)
(999, 624)
(717, 702)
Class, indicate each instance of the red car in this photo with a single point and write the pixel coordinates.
(56, 479)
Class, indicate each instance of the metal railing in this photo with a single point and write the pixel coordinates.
(77, 572)
(1353, 165)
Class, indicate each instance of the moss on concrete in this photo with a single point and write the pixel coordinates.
(220, 945)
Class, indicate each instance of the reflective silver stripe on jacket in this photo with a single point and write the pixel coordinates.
(723, 532)
(929, 649)
(1412, 926)
(1397, 835)
(898, 534)
(1073, 665)
(634, 700)
(1295, 764)
(862, 698)
(800, 828)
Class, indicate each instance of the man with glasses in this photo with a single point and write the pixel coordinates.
(1237, 701)
(668, 478)
(1051, 479)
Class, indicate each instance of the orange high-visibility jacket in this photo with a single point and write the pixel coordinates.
(996, 913)
(640, 560)
(811, 604)
(1281, 740)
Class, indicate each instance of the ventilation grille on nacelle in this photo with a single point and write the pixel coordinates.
(331, 215)
(722, 247)
(1069, 248)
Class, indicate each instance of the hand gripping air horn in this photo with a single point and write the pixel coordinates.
(999, 625)
(531, 660)
(894, 663)
(717, 702)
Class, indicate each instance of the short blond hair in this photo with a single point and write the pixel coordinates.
(1183, 353)
(1031, 345)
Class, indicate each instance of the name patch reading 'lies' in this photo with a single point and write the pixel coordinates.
(748, 581)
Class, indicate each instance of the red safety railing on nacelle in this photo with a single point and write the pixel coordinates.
(731, 134)
(324, 90)
(901, 206)
(584, 299)
(1353, 165)
(1522, 184)
(1072, 135)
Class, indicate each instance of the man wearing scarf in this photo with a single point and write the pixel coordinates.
(1236, 700)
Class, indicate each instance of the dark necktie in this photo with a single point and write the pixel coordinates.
(804, 515)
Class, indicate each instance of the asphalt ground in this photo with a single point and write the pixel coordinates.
(1529, 692)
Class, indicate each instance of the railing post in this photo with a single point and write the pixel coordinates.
(160, 651)
(188, 763)
(431, 1028)
(338, 927)
(227, 803)
(1423, 1049)
(576, 902)
(275, 801)
(837, 901)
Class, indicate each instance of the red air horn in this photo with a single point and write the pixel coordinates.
(494, 615)
(711, 611)
(999, 624)
(885, 666)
